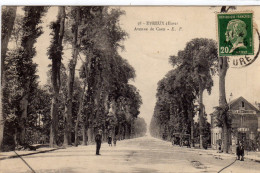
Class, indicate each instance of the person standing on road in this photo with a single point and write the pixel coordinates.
(240, 151)
(98, 140)
(219, 148)
(109, 138)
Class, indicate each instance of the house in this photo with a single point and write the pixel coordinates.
(245, 123)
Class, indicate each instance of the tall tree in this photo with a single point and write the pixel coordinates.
(55, 54)
(25, 67)
(103, 66)
(174, 107)
(72, 65)
(8, 17)
(80, 17)
(79, 114)
(222, 70)
(199, 57)
(224, 119)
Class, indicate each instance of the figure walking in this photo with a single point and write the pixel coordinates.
(109, 139)
(240, 151)
(219, 148)
(98, 140)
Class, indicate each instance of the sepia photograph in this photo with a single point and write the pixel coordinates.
(130, 89)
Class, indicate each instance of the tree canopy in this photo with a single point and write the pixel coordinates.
(98, 95)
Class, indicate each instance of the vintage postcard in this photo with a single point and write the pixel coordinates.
(124, 89)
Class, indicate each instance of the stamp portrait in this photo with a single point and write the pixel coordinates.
(235, 34)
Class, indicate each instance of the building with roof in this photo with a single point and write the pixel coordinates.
(245, 124)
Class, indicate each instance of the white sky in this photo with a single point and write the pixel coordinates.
(148, 52)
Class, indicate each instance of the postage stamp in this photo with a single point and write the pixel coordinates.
(235, 34)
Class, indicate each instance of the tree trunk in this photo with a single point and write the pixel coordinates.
(131, 129)
(76, 129)
(56, 63)
(7, 28)
(113, 132)
(223, 66)
(54, 122)
(201, 115)
(68, 123)
(105, 135)
(124, 132)
(85, 134)
(128, 131)
(225, 137)
(119, 132)
(2, 125)
(24, 107)
(80, 114)
(192, 133)
(72, 66)
(90, 134)
(191, 129)
(15, 137)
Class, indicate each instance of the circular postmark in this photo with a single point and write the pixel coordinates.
(240, 61)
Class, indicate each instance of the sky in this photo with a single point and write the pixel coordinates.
(148, 51)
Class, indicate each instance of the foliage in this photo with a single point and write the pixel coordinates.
(140, 127)
(104, 72)
(16, 33)
(55, 52)
(174, 106)
(223, 115)
(199, 59)
(180, 89)
(20, 69)
(206, 133)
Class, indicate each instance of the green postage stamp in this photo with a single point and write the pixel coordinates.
(235, 34)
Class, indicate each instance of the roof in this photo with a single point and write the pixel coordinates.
(232, 102)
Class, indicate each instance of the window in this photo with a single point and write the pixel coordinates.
(243, 104)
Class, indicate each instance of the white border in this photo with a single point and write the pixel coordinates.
(130, 2)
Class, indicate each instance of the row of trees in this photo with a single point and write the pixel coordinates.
(198, 62)
(71, 107)
(180, 92)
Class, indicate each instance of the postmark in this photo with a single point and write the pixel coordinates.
(235, 34)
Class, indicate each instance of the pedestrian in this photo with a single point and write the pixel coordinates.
(240, 151)
(219, 148)
(98, 140)
(109, 140)
(114, 141)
